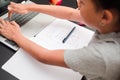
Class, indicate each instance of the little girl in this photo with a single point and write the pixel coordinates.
(100, 60)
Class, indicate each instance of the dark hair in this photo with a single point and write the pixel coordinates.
(108, 4)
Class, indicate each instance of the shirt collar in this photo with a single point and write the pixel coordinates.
(108, 35)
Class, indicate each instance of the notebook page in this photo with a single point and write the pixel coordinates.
(52, 36)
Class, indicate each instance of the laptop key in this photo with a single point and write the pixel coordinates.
(11, 42)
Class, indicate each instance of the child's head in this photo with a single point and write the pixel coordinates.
(112, 5)
(104, 15)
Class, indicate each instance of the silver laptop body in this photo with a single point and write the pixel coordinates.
(30, 28)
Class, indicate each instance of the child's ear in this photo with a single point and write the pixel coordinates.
(107, 17)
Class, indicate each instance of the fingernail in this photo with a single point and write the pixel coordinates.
(9, 8)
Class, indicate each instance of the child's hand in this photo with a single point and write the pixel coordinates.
(16, 8)
(9, 30)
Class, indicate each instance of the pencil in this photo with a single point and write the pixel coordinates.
(65, 39)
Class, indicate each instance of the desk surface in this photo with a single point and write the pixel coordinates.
(6, 53)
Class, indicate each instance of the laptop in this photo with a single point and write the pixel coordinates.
(31, 24)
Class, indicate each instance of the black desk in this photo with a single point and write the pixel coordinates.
(6, 53)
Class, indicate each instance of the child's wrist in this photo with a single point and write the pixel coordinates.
(30, 7)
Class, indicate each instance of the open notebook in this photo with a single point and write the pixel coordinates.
(25, 67)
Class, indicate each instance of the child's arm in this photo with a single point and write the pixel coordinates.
(56, 11)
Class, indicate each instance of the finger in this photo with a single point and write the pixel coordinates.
(10, 15)
(11, 6)
(12, 3)
(11, 10)
(1, 26)
(2, 21)
(14, 23)
(7, 22)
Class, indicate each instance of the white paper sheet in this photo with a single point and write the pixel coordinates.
(51, 37)
(24, 67)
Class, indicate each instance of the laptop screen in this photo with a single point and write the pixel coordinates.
(4, 4)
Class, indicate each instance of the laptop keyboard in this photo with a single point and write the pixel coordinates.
(21, 20)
